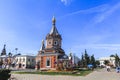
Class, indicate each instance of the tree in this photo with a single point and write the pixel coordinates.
(117, 60)
(10, 54)
(92, 61)
(1, 62)
(87, 58)
(5, 74)
(106, 62)
(97, 62)
(112, 55)
(82, 61)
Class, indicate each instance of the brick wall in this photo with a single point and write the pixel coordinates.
(52, 61)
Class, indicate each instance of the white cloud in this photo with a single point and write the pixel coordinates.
(98, 46)
(97, 9)
(102, 11)
(66, 2)
(96, 49)
(102, 16)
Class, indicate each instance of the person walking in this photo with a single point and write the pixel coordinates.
(118, 69)
(108, 68)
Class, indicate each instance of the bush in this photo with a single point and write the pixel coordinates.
(5, 74)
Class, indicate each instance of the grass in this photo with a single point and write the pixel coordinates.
(71, 73)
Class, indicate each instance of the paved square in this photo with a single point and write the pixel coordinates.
(96, 75)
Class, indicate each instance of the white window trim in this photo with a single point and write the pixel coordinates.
(46, 62)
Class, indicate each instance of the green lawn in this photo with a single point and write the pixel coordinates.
(71, 73)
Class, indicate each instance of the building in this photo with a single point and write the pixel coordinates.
(3, 51)
(5, 60)
(51, 55)
(24, 61)
(110, 59)
(75, 60)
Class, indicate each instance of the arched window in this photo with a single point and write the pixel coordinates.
(20, 59)
(23, 59)
(48, 62)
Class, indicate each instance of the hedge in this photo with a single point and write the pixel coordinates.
(5, 74)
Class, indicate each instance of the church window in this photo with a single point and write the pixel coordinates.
(23, 59)
(48, 62)
(20, 59)
(32, 60)
(29, 60)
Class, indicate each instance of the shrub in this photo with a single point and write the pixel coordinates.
(5, 74)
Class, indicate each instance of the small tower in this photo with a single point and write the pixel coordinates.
(43, 46)
(53, 38)
(4, 50)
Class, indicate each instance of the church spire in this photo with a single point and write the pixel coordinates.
(4, 50)
(54, 29)
(53, 20)
(43, 45)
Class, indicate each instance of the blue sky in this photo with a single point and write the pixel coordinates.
(84, 24)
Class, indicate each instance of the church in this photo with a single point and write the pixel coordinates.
(51, 55)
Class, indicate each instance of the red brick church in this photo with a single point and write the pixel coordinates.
(51, 55)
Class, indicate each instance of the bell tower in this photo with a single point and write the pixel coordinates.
(4, 50)
(53, 39)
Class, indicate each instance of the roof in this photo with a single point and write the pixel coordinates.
(54, 29)
(3, 56)
(107, 58)
(63, 56)
(43, 46)
(25, 56)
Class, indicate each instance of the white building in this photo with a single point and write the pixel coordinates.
(75, 60)
(110, 59)
(25, 61)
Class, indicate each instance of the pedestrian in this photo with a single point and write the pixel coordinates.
(108, 68)
(117, 69)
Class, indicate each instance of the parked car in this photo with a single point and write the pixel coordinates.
(117, 69)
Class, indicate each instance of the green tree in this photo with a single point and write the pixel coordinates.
(5, 74)
(87, 58)
(92, 61)
(112, 55)
(117, 60)
(106, 62)
(97, 63)
(83, 61)
(10, 54)
(1, 62)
